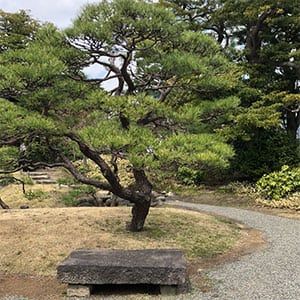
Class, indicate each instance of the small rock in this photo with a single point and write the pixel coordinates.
(102, 194)
(114, 202)
(161, 198)
(108, 202)
(100, 202)
(122, 202)
(86, 201)
(170, 194)
(24, 207)
(155, 194)
(85, 204)
(155, 203)
(104, 198)
(79, 291)
(65, 186)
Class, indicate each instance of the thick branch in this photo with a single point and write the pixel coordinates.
(81, 178)
(3, 204)
(104, 167)
(16, 179)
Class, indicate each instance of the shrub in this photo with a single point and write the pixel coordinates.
(6, 181)
(37, 194)
(27, 180)
(267, 151)
(189, 176)
(67, 181)
(281, 184)
(71, 198)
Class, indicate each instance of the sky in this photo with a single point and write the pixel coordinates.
(59, 12)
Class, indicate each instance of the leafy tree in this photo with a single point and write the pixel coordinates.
(151, 117)
(16, 30)
(263, 37)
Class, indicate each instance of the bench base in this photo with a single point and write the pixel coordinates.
(84, 291)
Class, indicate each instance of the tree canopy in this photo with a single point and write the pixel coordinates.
(168, 80)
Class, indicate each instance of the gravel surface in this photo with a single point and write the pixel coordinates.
(269, 274)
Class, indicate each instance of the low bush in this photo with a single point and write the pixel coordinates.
(37, 194)
(279, 185)
(71, 198)
(189, 176)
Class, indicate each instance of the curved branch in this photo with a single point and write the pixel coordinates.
(16, 179)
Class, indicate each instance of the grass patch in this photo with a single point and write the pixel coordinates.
(36, 196)
(34, 241)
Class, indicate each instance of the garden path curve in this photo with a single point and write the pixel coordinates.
(272, 273)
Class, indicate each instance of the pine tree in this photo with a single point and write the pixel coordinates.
(151, 117)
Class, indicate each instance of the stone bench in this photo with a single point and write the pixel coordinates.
(85, 268)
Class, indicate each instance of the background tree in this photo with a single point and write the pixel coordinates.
(262, 37)
(16, 30)
(153, 59)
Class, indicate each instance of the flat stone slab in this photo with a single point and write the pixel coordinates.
(96, 267)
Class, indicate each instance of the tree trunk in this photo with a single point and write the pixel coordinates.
(292, 123)
(140, 209)
(139, 214)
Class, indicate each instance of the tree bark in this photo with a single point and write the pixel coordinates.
(139, 215)
(141, 208)
(292, 123)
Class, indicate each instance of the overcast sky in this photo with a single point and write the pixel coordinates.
(59, 12)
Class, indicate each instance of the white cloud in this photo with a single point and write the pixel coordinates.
(59, 12)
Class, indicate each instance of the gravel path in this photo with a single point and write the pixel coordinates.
(269, 274)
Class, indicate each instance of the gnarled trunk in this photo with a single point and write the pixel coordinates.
(141, 207)
(139, 215)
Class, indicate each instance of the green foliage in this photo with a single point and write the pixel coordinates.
(27, 180)
(36, 194)
(265, 152)
(66, 181)
(262, 37)
(8, 157)
(70, 199)
(195, 149)
(6, 181)
(189, 176)
(281, 184)
(174, 89)
(16, 30)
